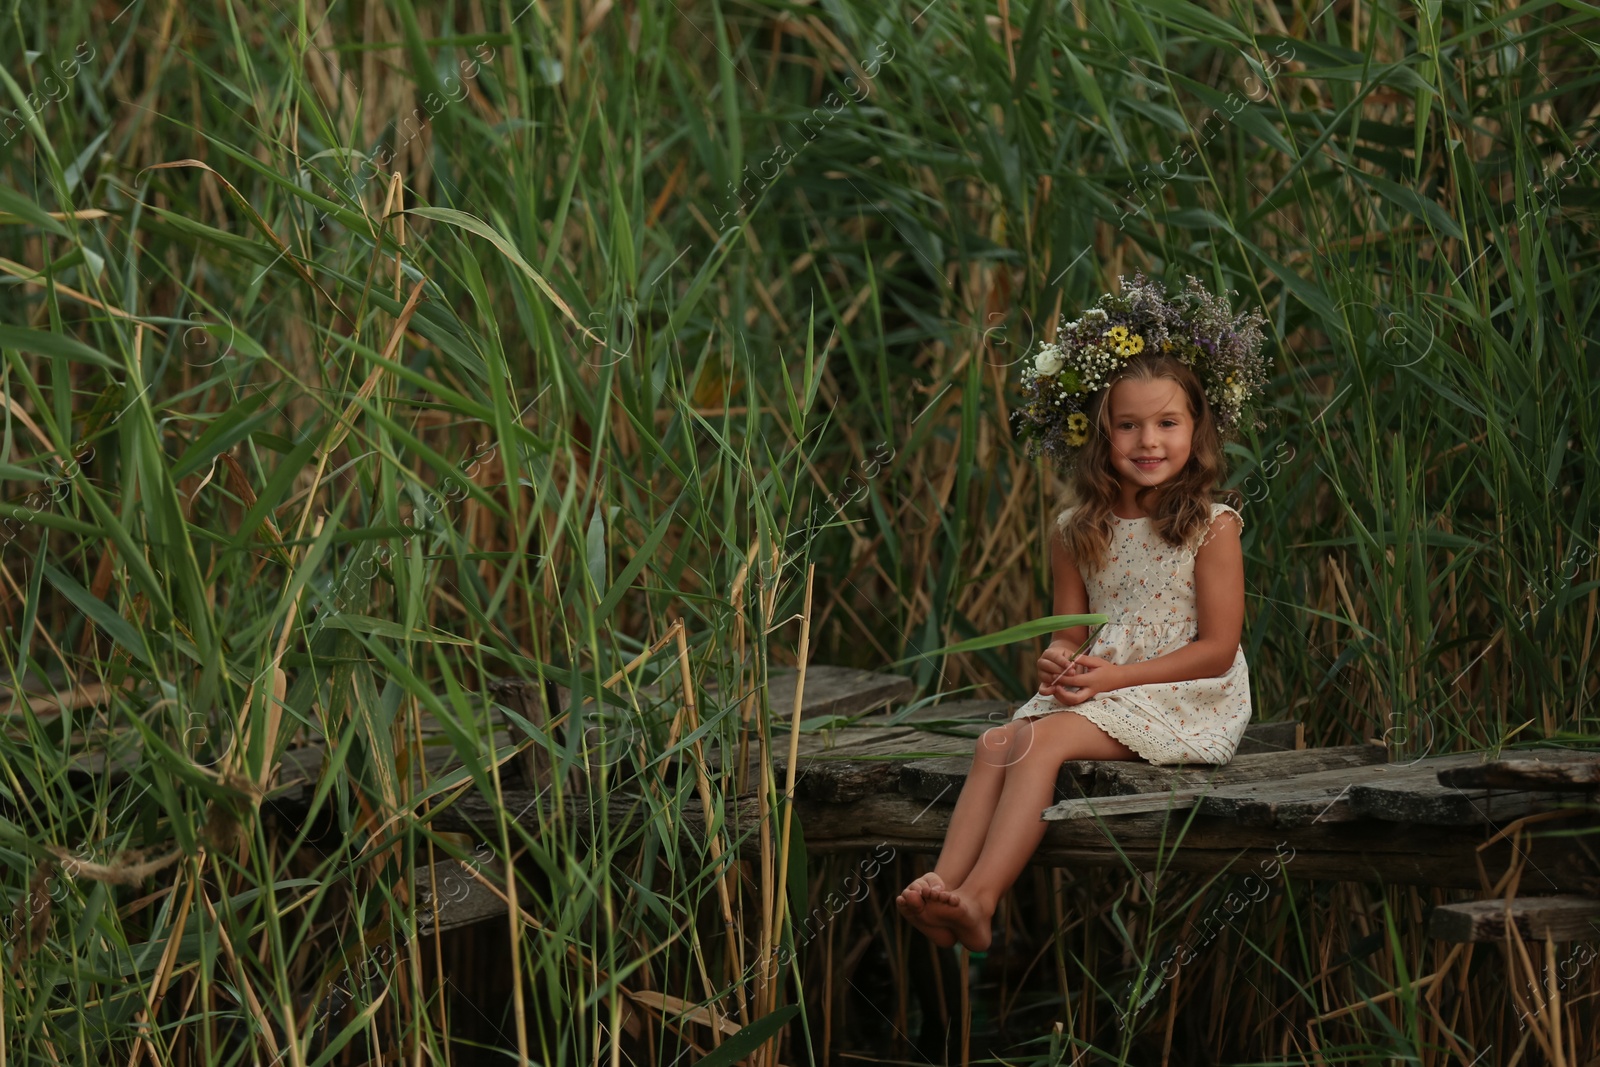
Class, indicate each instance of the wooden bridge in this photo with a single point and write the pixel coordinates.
(872, 771)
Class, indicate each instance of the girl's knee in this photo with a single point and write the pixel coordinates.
(994, 737)
(1003, 733)
(998, 744)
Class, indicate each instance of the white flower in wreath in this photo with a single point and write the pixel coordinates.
(1049, 359)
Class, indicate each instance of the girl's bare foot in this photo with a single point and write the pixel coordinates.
(912, 904)
(964, 917)
(927, 883)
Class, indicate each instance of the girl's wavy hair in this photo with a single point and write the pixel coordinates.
(1180, 509)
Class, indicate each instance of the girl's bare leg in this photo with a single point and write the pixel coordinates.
(1015, 829)
(963, 841)
(999, 749)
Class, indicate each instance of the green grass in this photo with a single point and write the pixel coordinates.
(643, 299)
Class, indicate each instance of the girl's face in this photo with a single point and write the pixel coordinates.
(1151, 430)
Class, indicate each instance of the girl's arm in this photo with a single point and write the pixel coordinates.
(1071, 598)
(1219, 603)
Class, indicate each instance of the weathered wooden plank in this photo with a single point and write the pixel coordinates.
(1413, 792)
(300, 768)
(1113, 777)
(1561, 917)
(878, 736)
(837, 691)
(935, 779)
(1545, 768)
(958, 724)
(902, 747)
(1314, 798)
(958, 714)
(1426, 801)
(930, 779)
(1122, 804)
(461, 899)
(941, 777)
(848, 782)
(871, 768)
(46, 696)
(831, 691)
(835, 743)
(1128, 787)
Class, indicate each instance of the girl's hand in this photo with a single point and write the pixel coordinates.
(1055, 663)
(1090, 675)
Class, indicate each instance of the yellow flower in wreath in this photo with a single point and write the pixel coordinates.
(1077, 429)
(1123, 343)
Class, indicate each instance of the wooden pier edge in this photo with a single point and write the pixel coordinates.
(1406, 854)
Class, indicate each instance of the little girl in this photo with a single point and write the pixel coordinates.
(1166, 679)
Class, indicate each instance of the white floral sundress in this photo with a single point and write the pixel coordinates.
(1146, 591)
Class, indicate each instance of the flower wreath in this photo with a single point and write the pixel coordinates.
(1196, 327)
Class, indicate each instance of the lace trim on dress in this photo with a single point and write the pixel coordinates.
(1149, 749)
